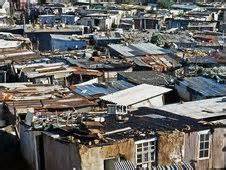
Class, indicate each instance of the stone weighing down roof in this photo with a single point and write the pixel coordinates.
(147, 119)
(143, 123)
(147, 77)
(135, 94)
(66, 37)
(69, 28)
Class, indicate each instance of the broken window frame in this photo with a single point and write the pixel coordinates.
(42, 80)
(111, 109)
(116, 109)
(121, 109)
(205, 148)
(148, 147)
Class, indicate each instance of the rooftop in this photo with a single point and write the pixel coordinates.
(102, 63)
(66, 37)
(159, 63)
(135, 94)
(185, 6)
(49, 67)
(201, 109)
(68, 28)
(146, 77)
(139, 49)
(9, 44)
(179, 37)
(26, 95)
(96, 89)
(202, 24)
(18, 55)
(144, 123)
(204, 86)
(158, 120)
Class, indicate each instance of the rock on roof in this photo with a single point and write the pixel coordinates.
(147, 77)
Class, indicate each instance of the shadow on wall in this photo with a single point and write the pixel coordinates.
(10, 156)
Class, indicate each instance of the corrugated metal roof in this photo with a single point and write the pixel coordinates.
(41, 97)
(203, 60)
(100, 89)
(176, 166)
(135, 94)
(185, 6)
(9, 44)
(93, 89)
(206, 87)
(150, 48)
(139, 49)
(124, 165)
(147, 77)
(200, 109)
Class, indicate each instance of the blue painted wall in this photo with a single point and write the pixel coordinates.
(177, 23)
(44, 38)
(63, 45)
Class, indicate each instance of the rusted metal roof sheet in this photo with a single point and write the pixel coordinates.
(18, 55)
(157, 62)
(43, 97)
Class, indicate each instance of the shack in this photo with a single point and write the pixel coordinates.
(132, 98)
(196, 88)
(67, 42)
(141, 141)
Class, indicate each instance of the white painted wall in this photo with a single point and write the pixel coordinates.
(113, 74)
(153, 102)
(156, 101)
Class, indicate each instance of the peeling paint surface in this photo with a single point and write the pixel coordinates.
(93, 158)
(170, 146)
